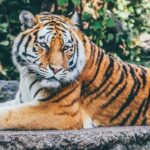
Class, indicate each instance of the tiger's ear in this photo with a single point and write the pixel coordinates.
(75, 18)
(27, 20)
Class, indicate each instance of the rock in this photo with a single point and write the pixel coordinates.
(104, 138)
(112, 138)
(8, 90)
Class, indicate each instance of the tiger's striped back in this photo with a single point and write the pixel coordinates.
(115, 92)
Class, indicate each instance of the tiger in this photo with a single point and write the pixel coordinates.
(68, 82)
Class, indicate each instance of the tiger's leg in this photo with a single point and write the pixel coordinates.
(38, 116)
(27, 91)
(29, 85)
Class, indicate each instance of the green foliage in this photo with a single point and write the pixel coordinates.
(116, 27)
(62, 2)
(76, 2)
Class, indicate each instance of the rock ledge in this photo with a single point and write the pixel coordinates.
(113, 138)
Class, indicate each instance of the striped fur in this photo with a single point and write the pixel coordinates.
(67, 82)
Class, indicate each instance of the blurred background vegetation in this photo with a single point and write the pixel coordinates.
(121, 27)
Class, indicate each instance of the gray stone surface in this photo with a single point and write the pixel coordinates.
(8, 90)
(108, 138)
(113, 138)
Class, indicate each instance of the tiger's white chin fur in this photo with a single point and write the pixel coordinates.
(50, 83)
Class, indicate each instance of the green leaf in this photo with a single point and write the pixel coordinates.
(3, 27)
(139, 10)
(110, 23)
(76, 2)
(4, 43)
(123, 15)
(121, 7)
(10, 37)
(138, 59)
(62, 2)
(86, 16)
(131, 9)
(96, 25)
(110, 37)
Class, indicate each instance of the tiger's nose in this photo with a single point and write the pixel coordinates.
(55, 69)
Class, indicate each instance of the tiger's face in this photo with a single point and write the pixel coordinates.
(50, 49)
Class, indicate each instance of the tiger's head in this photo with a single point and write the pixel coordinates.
(49, 47)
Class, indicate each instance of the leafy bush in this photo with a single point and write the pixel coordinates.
(118, 27)
(115, 25)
